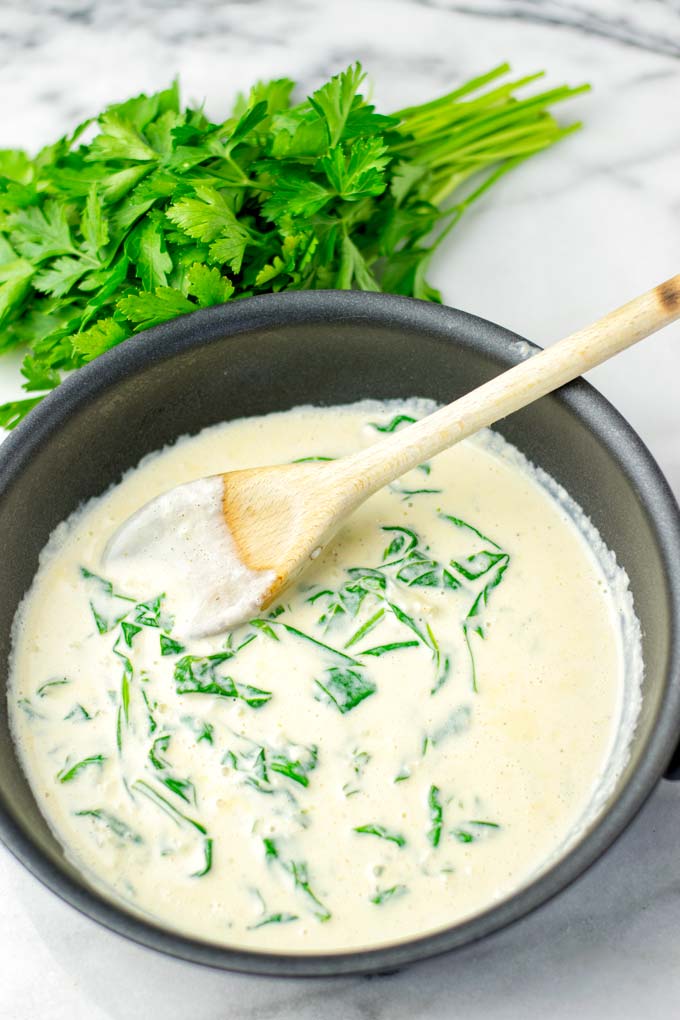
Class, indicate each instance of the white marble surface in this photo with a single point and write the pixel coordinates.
(575, 232)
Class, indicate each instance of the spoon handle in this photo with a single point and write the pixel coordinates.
(374, 467)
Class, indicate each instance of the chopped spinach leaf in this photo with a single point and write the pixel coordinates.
(207, 858)
(296, 769)
(195, 674)
(159, 748)
(108, 607)
(280, 918)
(392, 647)
(48, 687)
(379, 830)
(114, 824)
(169, 646)
(365, 628)
(78, 714)
(258, 762)
(70, 772)
(383, 895)
(150, 614)
(141, 786)
(308, 460)
(346, 688)
(129, 632)
(202, 730)
(436, 816)
(28, 709)
(300, 876)
(393, 425)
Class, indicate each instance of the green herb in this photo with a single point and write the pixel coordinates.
(366, 628)
(108, 607)
(203, 731)
(195, 674)
(408, 563)
(364, 583)
(207, 858)
(150, 614)
(408, 621)
(114, 824)
(141, 786)
(129, 632)
(383, 895)
(382, 833)
(69, 773)
(280, 918)
(392, 647)
(442, 665)
(408, 493)
(414, 567)
(298, 872)
(296, 769)
(346, 688)
(153, 726)
(257, 762)
(48, 687)
(182, 788)
(360, 760)
(308, 460)
(206, 734)
(79, 714)
(159, 748)
(404, 540)
(229, 644)
(392, 426)
(319, 644)
(163, 211)
(456, 723)
(436, 815)
(464, 835)
(253, 764)
(480, 564)
(265, 628)
(498, 564)
(127, 676)
(125, 680)
(169, 646)
(468, 527)
(28, 709)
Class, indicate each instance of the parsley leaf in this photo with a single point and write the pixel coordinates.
(148, 309)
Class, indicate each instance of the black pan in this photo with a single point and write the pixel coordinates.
(275, 352)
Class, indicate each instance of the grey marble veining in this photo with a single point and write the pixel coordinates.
(647, 24)
(569, 235)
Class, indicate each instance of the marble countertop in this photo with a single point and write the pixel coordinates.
(575, 232)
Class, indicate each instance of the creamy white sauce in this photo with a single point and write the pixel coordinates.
(223, 796)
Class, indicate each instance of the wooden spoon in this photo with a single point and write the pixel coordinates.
(279, 518)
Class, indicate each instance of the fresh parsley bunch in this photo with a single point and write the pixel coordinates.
(150, 210)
